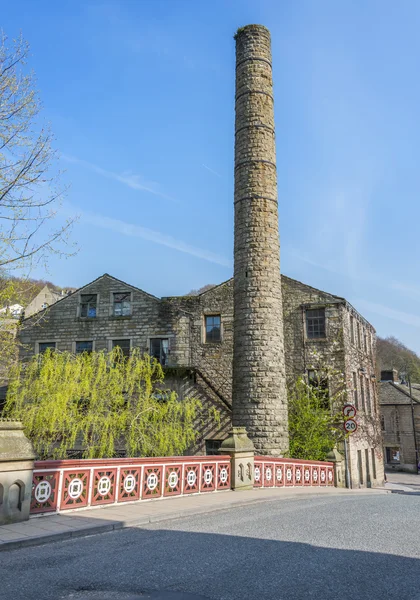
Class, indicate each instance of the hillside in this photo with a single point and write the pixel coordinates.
(392, 354)
(25, 290)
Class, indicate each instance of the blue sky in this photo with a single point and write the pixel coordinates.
(140, 97)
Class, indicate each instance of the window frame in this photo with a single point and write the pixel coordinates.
(113, 344)
(39, 344)
(114, 303)
(160, 338)
(355, 391)
(323, 331)
(212, 316)
(81, 304)
(84, 342)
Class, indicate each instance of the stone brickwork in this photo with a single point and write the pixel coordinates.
(150, 318)
(398, 427)
(259, 385)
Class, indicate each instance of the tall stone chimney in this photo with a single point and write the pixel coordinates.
(259, 385)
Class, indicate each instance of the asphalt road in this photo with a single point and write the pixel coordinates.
(356, 546)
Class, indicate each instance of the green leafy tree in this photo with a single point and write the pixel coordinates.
(315, 417)
(103, 403)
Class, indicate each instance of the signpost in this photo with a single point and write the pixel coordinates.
(350, 426)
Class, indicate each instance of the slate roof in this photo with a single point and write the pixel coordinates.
(396, 393)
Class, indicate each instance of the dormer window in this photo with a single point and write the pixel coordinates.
(122, 304)
(88, 305)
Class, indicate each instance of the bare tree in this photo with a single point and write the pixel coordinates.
(30, 193)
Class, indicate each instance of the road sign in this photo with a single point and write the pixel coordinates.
(350, 425)
(349, 411)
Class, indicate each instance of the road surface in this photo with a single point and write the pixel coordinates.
(330, 547)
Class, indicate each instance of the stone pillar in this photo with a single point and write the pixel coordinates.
(339, 467)
(16, 466)
(259, 386)
(241, 451)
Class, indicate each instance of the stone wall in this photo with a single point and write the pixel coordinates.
(181, 320)
(150, 317)
(259, 386)
(397, 420)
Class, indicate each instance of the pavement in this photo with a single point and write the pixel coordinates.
(283, 546)
(400, 482)
(72, 524)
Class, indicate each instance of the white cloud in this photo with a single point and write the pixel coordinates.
(156, 237)
(390, 313)
(211, 170)
(131, 180)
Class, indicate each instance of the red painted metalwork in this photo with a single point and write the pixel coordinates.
(69, 484)
(129, 484)
(173, 480)
(75, 493)
(223, 476)
(191, 479)
(268, 475)
(208, 477)
(152, 482)
(298, 475)
(104, 486)
(292, 472)
(44, 492)
(279, 475)
(258, 474)
(307, 475)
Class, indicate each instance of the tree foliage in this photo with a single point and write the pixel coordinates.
(315, 417)
(101, 402)
(393, 354)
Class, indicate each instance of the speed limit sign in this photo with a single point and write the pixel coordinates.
(350, 425)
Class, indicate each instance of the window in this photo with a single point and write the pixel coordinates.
(368, 481)
(356, 397)
(44, 346)
(159, 349)
(124, 345)
(315, 323)
(358, 334)
(360, 466)
(88, 305)
(372, 451)
(213, 328)
(393, 455)
(365, 341)
(383, 423)
(122, 304)
(320, 383)
(368, 398)
(213, 446)
(362, 393)
(84, 347)
(352, 329)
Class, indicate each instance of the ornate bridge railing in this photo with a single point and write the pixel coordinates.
(288, 472)
(60, 485)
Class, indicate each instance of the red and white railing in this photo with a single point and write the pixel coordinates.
(71, 484)
(289, 472)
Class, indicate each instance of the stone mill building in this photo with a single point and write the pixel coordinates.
(237, 345)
